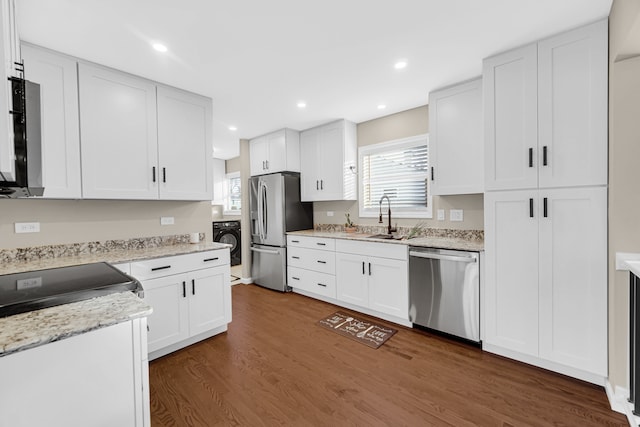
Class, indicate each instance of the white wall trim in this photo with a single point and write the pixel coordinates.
(618, 399)
(246, 280)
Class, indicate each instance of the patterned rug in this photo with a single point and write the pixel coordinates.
(363, 331)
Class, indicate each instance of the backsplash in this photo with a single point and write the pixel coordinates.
(76, 249)
(425, 232)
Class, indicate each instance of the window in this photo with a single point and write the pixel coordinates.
(233, 194)
(397, 169)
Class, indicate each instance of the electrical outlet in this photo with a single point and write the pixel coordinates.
(440, 214)
(167, 220)
(455, 215)
(27, 227)
(329, 213)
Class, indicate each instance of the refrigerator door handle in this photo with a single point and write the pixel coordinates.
(265, 221)
(264, 251)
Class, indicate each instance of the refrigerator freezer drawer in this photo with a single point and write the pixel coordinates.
(269, 267)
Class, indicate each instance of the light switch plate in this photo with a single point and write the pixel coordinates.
(440, 214)
(167, 220)
(27, 227)
(456, 215)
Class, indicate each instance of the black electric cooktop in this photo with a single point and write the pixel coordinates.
(22, 292)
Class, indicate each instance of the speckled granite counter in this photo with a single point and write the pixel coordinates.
(458, 243)
(113, 255)
(35, 328)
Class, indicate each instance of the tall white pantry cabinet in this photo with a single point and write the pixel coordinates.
(545, 293)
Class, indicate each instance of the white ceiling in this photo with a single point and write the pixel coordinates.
(258, 58)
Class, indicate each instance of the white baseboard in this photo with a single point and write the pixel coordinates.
(246, 280)
(619, 402)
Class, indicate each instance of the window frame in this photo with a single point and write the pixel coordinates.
(227, 194)
(413, 141)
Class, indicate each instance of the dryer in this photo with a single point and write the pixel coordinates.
(229, 232)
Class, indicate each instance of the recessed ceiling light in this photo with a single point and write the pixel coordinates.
(400, 65)
(302, 104)
(159, 47)
(233, 128)
(381, 107)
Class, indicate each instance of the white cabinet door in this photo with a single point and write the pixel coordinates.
(169, 322)
(388, 287)
(58, 79)
(209, 299)
(352, 280)
(511, 273)
(119, 135)
(276, 160)
(573, 278)
(456, 139)
(572, 107)
(258, 155)
(310, 164)
(185, 150)
(9, 53)
(511, 123)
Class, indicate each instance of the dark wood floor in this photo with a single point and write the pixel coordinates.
(275, 366)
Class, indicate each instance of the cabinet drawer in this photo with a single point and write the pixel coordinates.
(312, 281)
(382, 250)
(312, 259)
(160, 267)
(322, 243)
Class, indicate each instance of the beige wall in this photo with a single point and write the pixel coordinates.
(397, 126)
(245, 173)
(234, 165)
(624, 196)
(73, 221)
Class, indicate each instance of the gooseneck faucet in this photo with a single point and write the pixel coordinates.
(389, 228)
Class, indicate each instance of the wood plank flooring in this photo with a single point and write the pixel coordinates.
(275, 366)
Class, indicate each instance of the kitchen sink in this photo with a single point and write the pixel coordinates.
(385, 236)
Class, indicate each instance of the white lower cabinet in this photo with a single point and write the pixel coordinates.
(311, 265)
(545, 293)
(190, 295)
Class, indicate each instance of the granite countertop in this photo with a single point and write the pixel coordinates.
(114, 256)
(39, 327)
(457, 243)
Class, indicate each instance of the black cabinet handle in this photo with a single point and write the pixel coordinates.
(544, 207)
(184, 289)
(322, 284)
(432, 173)
(362, 267)
(544, 156)
(295, 257)
(295, 241)
(211, 259)
(530, 208)
(295, 278)
(321, 262)
(193, 286)
(267, 162)
(164, 267)
(317, 184)
(153, 173)
(369, 269)
(164, 174)
(530, 157)
(321, 184)
(321, 244)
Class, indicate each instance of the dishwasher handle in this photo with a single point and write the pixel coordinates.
(431, 255)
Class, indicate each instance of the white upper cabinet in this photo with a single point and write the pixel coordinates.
(185, 148)
(572, 107)
(456, 139)
(546, 112)
(328, 156)
(118, 128)
(10, 54)
(276, 152)
(511, 123)
(58, 79)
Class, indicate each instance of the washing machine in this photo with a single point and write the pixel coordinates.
(229, 232)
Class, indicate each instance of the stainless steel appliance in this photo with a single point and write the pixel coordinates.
(33, 290)
(275, 208)
(444, 291)
(229, 232)
(26, 178)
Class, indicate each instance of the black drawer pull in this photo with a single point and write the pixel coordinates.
(295, 241)
(321, 244)
(295, 278)
(321, 262)
(295, 257)
(161, 268)
(322, 284)
(211, 259)
(184, 289)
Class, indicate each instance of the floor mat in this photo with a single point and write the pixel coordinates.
(368, 333)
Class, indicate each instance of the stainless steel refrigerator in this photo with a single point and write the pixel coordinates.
(275, 209)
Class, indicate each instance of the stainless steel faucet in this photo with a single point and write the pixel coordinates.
(389, 228)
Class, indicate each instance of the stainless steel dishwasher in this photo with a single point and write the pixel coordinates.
(444, 291)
